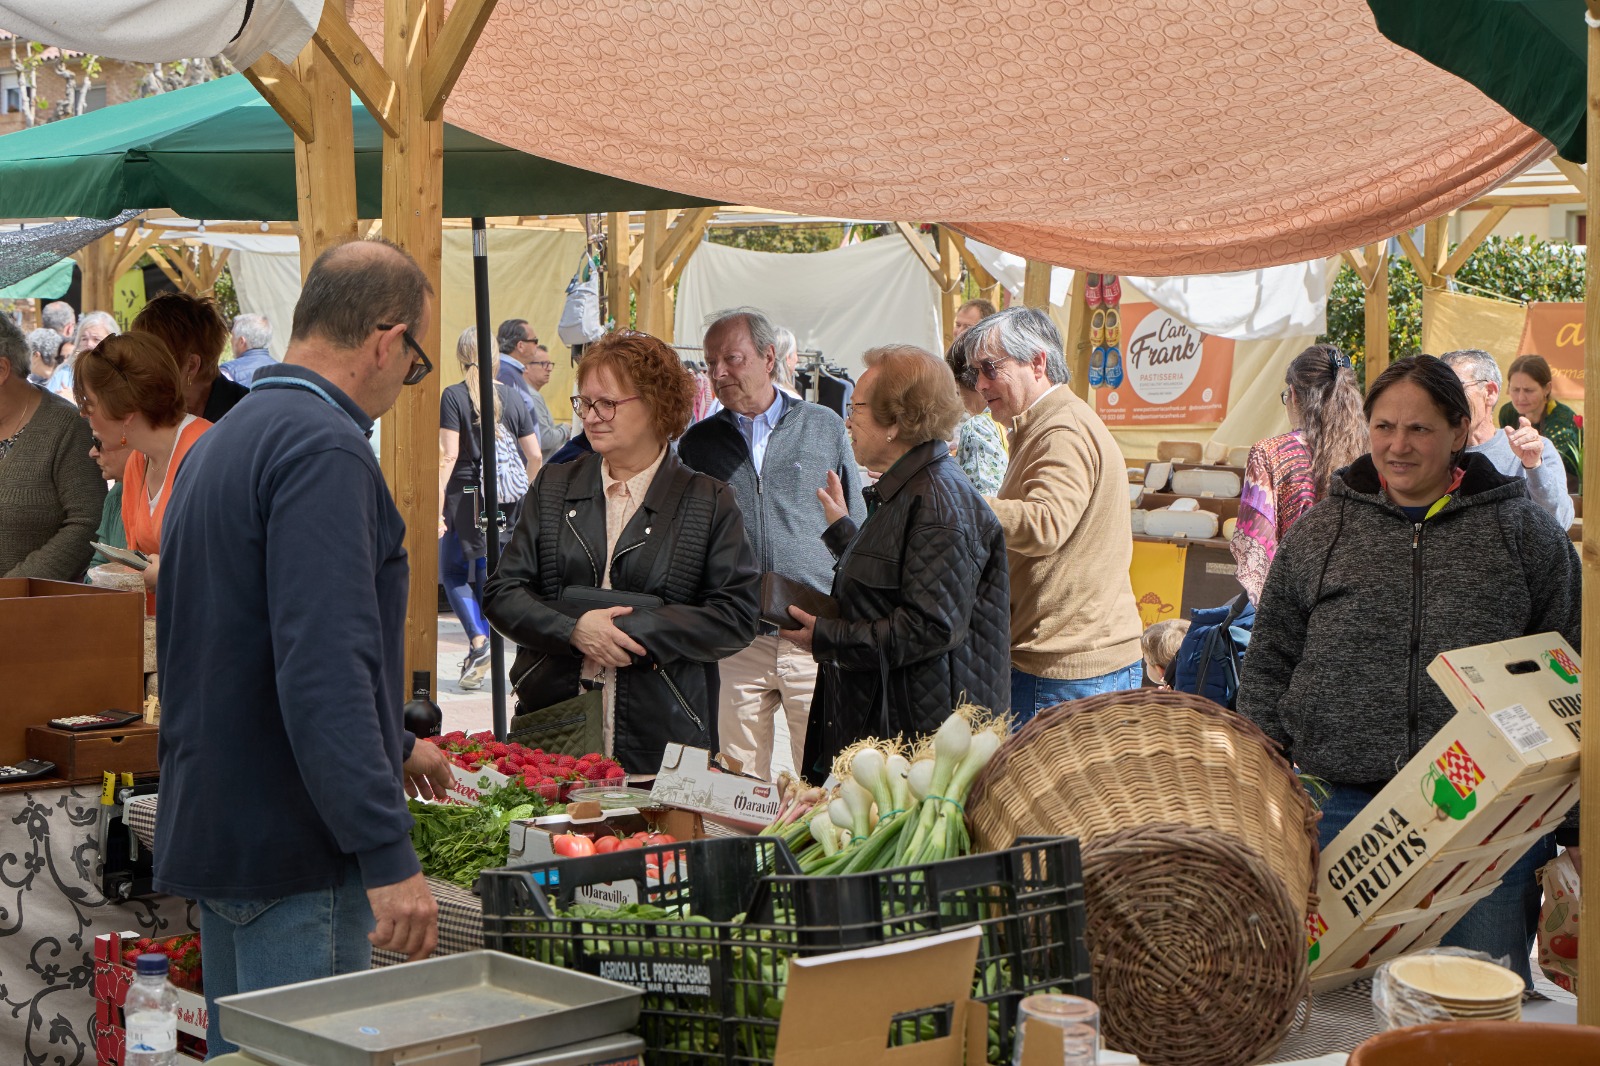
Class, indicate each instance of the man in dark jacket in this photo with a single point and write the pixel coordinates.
(775, 451)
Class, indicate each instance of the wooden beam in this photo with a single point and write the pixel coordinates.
(211, 267)
(1589, 757)
(357, 66)
(1036, 286)
(325, 169)
(1354, 259)
(1436, 245)
(1573, 172)
(980, 277)
(1493, 200)
(651, 276)
(279, 87)
(160, 259)
(94, 259)
(913, 238)
(449, 56)
(950, 286)
(413, 207)
(685, 231)
(1376, 310)
(675, 271)
(131, 256)
(1479, 234)
(1424, 272)
(1077, 339)
(618, 248)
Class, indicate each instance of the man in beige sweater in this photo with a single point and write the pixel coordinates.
(1064, 508)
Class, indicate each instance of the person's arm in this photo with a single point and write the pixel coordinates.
(1277, 641)
(1054, 494)
(938, 583)
(449, 450)
(725, 618)
(1555, 579)
(531, 453)
(323, 615)
(1547, 485)
(510, 601)
(1248, 545)
(82, 493)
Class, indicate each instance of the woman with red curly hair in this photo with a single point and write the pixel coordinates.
(627, 570)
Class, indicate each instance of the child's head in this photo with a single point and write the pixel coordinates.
(1160, 644)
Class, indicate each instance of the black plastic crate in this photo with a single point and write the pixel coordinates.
(714, 982)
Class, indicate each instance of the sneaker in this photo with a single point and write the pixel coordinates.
(474, 666)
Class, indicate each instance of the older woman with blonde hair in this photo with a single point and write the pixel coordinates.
(922, 590)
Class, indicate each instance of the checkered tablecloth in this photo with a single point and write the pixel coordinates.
(460, 912)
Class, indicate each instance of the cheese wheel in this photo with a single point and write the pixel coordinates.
(1195, 525)
(1223, 484)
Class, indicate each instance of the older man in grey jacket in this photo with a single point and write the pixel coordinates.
(775, 450)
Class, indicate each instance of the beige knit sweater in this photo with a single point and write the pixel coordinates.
(50, 496)
(1064, 508)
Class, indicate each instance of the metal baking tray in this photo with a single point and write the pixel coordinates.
(476, 1007)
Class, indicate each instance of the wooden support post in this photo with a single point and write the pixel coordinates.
(949, 284)
(1434, 247)
(158, 256)
(1077, 339)
(413, 209)
(357, 67)
(278, 85)
(95, 261)
(325, 169)
(1418, 261)
(1589, 761)
(1036, 285)
(1377, 311)
(1472, 241)
(619, 244)
(652, 292)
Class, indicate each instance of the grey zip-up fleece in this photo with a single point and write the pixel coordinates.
(782, 516)
(1360, 599)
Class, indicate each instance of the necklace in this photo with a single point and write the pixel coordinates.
(7, 441)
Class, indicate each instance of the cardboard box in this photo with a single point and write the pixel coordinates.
(68, 649)
(688, 780)
(84, 757)
(112, 978)
(1500, 775)
(530, 837)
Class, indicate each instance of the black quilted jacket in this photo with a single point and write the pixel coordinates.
(924, 600)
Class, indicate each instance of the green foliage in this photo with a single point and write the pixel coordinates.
(1518, 268)
(227, 295)
(823, 237)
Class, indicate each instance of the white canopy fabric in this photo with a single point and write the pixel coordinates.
(161, 31)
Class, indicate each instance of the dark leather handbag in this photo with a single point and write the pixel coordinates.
(575, 726)
(778, 593)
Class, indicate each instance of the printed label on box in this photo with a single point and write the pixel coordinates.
(1520, 728)
(672, 977)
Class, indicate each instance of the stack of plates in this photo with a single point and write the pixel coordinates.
(1470, 989)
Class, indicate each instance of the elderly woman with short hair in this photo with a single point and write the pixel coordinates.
(44, 355)
(922, 588)
(50, 492)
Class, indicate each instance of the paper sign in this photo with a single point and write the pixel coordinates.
(1173, 375)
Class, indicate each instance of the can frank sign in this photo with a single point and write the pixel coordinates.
(1174, 374)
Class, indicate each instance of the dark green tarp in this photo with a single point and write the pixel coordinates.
(219, 151)
(1528, 56)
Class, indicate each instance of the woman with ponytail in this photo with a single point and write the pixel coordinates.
(1288, 473)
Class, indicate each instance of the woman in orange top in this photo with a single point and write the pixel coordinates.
(131, 390)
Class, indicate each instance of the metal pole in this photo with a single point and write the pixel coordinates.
(488, 491)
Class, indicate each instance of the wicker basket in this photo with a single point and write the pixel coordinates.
(1184, 810)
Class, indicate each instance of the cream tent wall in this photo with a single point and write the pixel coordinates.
(1452, 320)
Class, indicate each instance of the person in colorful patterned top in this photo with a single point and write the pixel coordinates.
(979, 450)
(1529, 385)
(1286, 474)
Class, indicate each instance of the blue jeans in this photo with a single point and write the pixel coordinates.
(1030, 694)
(463, 583)
(1504, 923)
(247, 945)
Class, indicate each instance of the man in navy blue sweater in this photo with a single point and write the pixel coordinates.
(284, 761)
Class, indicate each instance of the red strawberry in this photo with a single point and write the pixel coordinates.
(548, 791)
(615, 773)
(566, 761)
(594, 772)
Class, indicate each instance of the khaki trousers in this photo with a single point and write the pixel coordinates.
(768, 677)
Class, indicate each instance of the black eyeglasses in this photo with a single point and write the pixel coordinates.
(421, 366)
(543, 363)
(604, 409)
(991, 368)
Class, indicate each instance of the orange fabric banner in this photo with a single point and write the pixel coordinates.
(1173, 375)
(1555, 331)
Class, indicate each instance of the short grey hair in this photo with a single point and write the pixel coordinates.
(1022, 333)
(1477, 361)
(57, 316)
(763, 334)
(46, 342)
(255, 330)
(787, 346)
(13, 347)
(100, 318)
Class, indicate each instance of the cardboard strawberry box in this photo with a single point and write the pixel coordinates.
(1499, 776)
(480, 763)
(690, 779)
(113, 976)
(532, 839)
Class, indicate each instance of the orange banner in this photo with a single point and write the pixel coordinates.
(1172, 374)
(1555, 331)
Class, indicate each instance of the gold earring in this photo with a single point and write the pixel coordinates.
(124, 442)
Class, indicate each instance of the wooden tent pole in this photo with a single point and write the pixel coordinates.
(1036, 285)
(618, 246)
(1589, 766)
(1377, 311)
(324, 168)
(1078, 344)
(949, 283)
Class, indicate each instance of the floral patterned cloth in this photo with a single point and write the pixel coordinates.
(981, 453)
(1277, 490)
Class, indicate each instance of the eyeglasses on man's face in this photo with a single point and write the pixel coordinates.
(421, 365)
(605, 410)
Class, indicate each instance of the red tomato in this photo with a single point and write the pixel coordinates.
(631, 844)
(1564, 946)
(606, 845)
(660, 838)
(572, 846)
(652, 872)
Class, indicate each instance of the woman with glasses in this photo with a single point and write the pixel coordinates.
(131, 390)
(627, 570)
(1286, 474)
(979, 449)
(50, 493)
(463, 548)
(1420, 547)
(922, 589)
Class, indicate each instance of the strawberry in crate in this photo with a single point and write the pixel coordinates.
(182, 952)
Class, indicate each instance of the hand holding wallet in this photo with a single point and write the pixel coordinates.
(778, 593)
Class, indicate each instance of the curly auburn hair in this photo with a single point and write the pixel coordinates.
(653, 368)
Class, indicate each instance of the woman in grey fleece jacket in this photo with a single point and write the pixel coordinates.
(1418, 549)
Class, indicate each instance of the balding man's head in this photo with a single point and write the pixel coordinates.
(352, 287)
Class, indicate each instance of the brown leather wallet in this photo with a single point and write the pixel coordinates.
(779, 592)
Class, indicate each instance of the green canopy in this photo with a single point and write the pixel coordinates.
(51, 283)
(1529, 56)
(218, 150)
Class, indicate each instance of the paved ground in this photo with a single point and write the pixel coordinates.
(469, 711)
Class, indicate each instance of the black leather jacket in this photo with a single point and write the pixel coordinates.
(704, 570)
(924, 599)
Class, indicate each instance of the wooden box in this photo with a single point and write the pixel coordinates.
(1500, 775)
(68, 649)
(84, 757)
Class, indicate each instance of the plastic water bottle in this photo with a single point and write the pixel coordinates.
(151, 1015)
